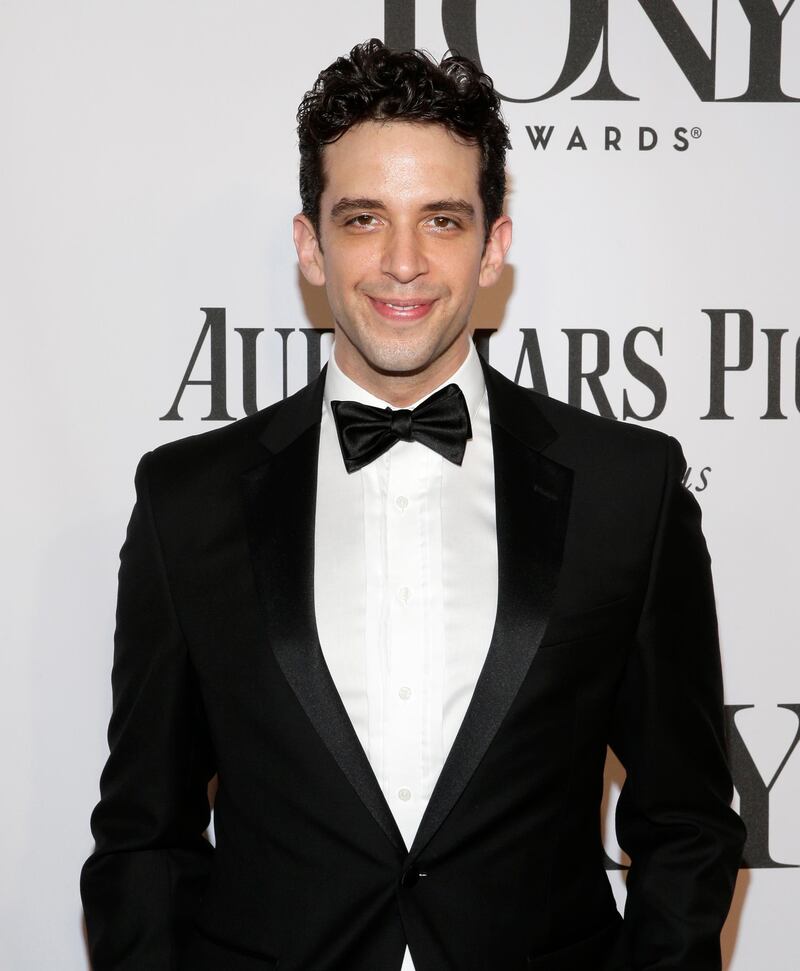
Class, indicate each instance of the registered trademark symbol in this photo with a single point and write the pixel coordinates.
(696, 132)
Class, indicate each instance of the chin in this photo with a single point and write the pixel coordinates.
(399, 358)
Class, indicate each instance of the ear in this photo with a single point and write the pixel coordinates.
(309, 254)
(494, 252)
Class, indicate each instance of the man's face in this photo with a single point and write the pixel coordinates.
(401, 251)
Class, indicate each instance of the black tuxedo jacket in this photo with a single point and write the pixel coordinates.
(605, 634)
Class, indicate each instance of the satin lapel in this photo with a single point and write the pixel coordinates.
(532, 505)
(280, 499)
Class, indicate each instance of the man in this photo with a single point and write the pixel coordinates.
(402, 613)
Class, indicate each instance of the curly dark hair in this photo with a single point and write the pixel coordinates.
(375, 83)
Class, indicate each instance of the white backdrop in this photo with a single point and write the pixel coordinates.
(148, 169)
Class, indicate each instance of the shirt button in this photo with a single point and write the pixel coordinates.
(403, 595)
(401, 502)
(404, 794)
(405, 692)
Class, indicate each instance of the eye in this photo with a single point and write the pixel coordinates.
(363, 220)
(443, 222)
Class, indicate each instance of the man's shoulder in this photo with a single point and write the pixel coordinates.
(229, 451)
(582, 440)
(620, 472)
(575, 423)
(227, 445)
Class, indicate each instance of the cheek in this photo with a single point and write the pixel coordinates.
(465, 284)
(462, 269)
(348, 268)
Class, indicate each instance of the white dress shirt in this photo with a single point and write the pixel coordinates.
(405, 591)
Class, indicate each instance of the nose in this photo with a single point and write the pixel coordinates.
(403, 257)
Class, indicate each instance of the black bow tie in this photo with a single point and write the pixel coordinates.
(441, 422)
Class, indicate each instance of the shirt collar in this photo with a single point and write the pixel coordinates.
(469, 377)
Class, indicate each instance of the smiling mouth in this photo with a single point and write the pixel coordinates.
(401, 309)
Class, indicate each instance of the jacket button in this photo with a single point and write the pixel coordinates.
(409, 877)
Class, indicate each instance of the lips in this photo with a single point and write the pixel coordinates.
(402, 310)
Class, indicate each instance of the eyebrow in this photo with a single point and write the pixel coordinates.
(461, 206)
(346, 205)
(349, 205)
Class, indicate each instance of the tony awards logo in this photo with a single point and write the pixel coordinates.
(591, 33)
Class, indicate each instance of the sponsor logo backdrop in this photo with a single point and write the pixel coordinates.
(150, 292)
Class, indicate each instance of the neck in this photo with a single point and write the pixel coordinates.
(402, 388)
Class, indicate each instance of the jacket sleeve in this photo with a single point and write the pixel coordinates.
(673, 817)
(151, 859)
